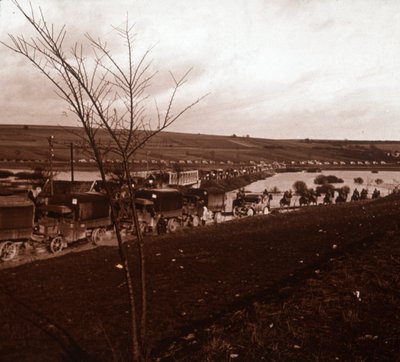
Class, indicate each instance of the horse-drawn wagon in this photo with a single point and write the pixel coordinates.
(72, 217)
(16, 222)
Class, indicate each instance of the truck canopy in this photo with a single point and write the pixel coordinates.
(16, 212)
(213, 199)
(164, 199)
(86, 206)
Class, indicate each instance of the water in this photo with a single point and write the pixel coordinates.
(78, 175)
(285, 181)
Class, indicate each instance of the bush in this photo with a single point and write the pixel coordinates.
(300, 187)
(233, 183)
(5, 173)
(275, 190)
(330, 179)
(358, 180)
(325, 188)
(25, 175)
(344, 190)
(379, 181)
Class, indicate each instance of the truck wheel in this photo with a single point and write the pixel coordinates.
(266, 210)
(218, 217)
(8, 250)
(250, 212)
(195, 221)
(173, 225)
(97, 235)
(56, 244)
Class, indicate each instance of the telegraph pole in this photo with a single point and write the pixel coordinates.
(72, 162)
(51, 154)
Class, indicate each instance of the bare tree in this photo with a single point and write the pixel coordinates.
(110, 99)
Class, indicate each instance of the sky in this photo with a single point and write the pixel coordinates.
(326, 69)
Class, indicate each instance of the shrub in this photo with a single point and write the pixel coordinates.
(330, 179)
(300, 187)
(5, 173)
(344, 190)
(325, 188)
(358, 180)
(378, 181)
(275, 190)
(26, 175)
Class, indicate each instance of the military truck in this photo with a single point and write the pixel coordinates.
(218, 202)
(167, 204)
(71, 217)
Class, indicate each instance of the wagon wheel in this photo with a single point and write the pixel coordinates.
(195, 221)
(8, 250)
(250, 212)
(97, 235)
(56, 244)
(173, 225)
(236, 211)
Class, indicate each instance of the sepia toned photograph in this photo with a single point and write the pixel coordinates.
(199, 180)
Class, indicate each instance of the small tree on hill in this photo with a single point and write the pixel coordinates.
(109, 98)
(300, 187)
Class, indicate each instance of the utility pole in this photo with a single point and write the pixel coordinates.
(72, 161)
(51, 155)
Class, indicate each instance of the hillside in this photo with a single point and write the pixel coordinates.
(30, 143)
(318, 284)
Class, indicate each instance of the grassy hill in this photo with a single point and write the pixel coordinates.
(31, 143)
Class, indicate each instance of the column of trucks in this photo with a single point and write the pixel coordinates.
(67, 218)
(174, 208)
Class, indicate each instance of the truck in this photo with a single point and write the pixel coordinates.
(71, 217)
(16, 223)
(165, 203)
(218, 202)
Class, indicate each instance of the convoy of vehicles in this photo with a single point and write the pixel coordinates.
(66, 218)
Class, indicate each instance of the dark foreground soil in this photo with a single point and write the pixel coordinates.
(314, 285)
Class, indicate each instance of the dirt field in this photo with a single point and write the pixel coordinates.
(214, 293)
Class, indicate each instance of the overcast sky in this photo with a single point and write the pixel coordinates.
(273, 68)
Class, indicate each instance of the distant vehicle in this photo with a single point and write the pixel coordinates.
(71, 217)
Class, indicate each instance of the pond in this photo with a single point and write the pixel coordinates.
(284, 181)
